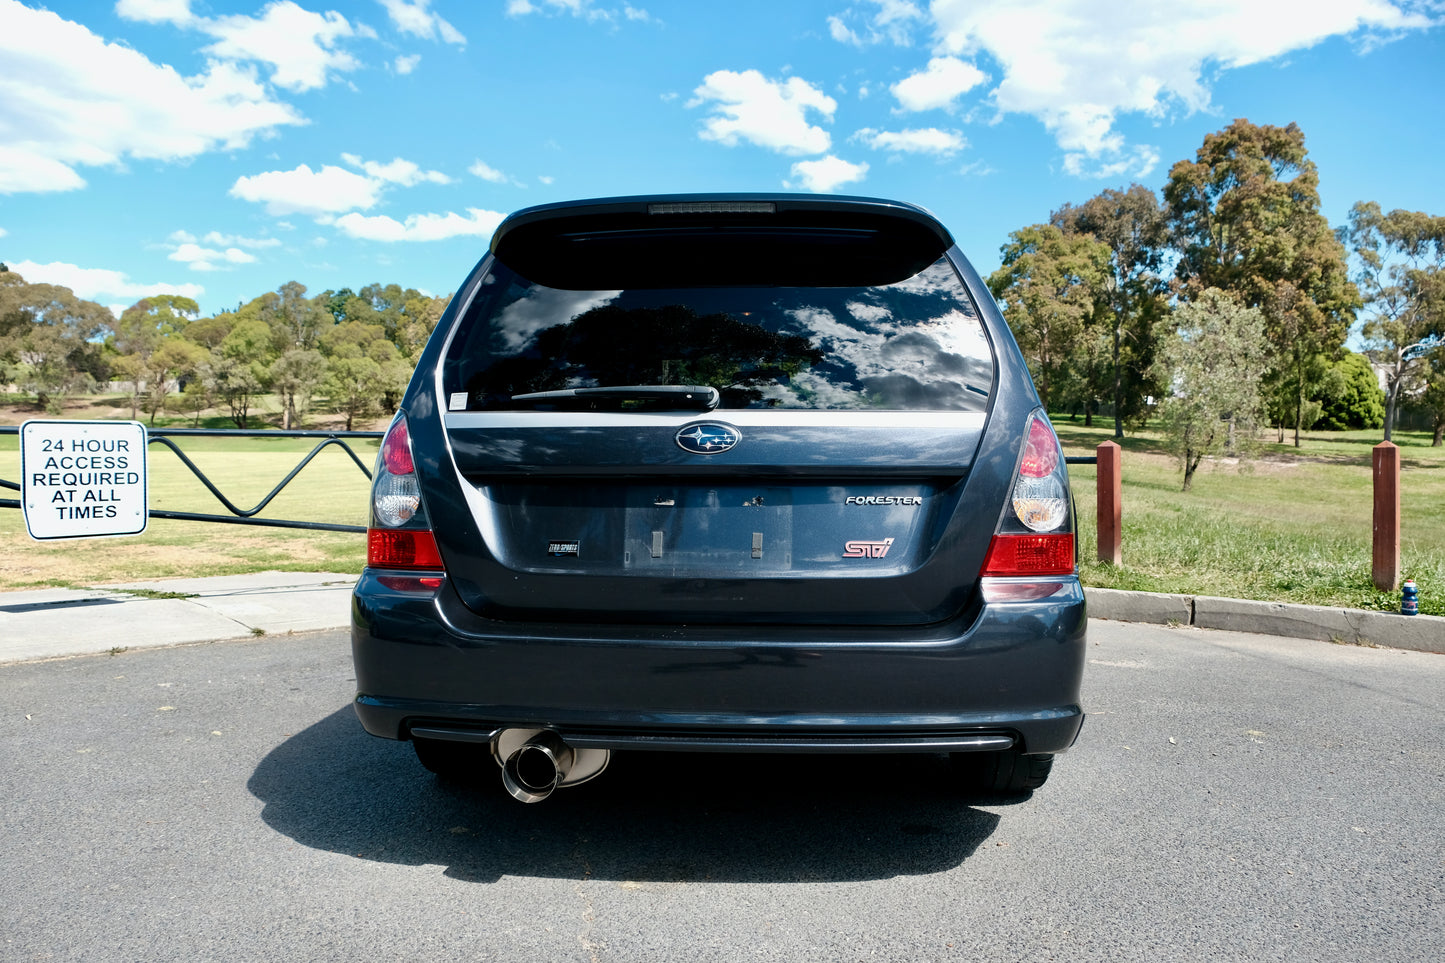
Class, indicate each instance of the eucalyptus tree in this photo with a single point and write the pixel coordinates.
(1245, 219)
(149, 337)
(1433, 397)
(48, 338)
(1050, 287)
(239, 368)
(1401, 255)
(1134, 227)
(1212, 354)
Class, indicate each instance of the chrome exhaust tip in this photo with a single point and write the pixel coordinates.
(539, 767)
(535, 762)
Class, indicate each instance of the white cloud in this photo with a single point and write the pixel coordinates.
(228, 240)
(414, 17)
(300, 46)
(199, 258)
(488, 173)
(893, 20)
(301, 190)
(928, 140)
(331, 190)
(841, 32)
(1135, 162)
(399, 171)
(1077, 65)
(938, 85)
(421, 227)
(405, 65)
(69, 99)
(155, 11)
(3, 232)
(577, 8)
(769, 113)
(96, 283)
(545, 179)
(825, 175)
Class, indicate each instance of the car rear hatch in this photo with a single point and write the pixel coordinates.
(686, 412)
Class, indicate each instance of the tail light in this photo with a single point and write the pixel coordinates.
(399, 537)
(1036, 534)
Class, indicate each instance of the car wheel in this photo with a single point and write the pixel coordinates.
(462, 762)
(1009, 773)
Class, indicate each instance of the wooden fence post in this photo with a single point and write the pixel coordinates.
(1385, 558)
(1110, 503)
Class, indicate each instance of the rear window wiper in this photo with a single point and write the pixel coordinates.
(699, 397)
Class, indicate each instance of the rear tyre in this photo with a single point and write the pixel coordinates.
(460, 762)
(1008, 773)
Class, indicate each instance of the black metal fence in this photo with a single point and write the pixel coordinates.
(247, 516)
(238, 515)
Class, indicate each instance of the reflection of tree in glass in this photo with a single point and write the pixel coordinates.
(613, 345)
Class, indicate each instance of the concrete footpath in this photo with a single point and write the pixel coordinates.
(52, 623)
(56, 623)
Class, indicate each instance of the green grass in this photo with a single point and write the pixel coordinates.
(1294, 525)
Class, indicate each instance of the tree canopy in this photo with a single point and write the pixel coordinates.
(1246, 220)
(1401, 256)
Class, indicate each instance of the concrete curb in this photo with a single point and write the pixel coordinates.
(1420, 633)
(54, 623)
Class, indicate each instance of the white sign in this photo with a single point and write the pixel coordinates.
(83, 479)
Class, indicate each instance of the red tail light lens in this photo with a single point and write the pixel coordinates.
(396, 449)
(387, 548)
(1013, 555)
(1041, 453)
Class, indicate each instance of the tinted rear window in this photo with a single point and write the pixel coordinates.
(910, 344)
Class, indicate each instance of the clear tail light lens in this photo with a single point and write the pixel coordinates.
(395, 498)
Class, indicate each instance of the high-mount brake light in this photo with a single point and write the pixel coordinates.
(713, 207)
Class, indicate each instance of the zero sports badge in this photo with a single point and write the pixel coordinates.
(860, 549)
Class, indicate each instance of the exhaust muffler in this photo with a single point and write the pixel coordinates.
(535, 762)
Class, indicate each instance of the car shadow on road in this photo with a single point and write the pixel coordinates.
(651, 817)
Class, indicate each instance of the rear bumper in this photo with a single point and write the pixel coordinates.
(1010, 670)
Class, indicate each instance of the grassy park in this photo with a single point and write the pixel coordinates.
(1290, 525)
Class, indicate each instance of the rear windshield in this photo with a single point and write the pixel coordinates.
(915, 344)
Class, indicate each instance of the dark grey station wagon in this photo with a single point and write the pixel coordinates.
(743, 473)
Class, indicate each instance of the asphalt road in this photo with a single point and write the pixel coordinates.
(1233, 797)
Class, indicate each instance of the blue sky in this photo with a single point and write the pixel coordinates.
(220, 149)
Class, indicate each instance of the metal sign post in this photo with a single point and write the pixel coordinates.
(83, 479)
